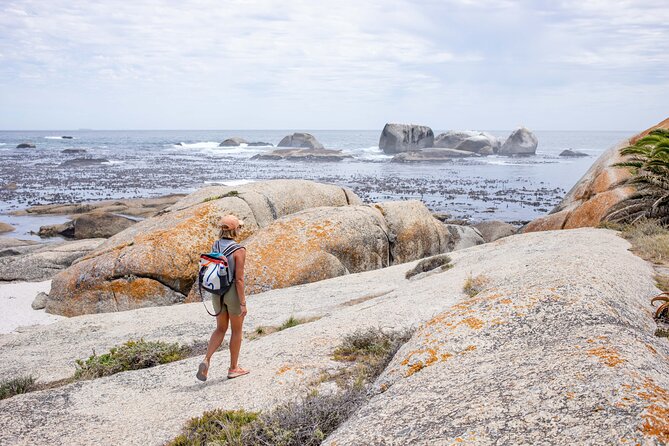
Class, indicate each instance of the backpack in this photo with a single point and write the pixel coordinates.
(215, 274)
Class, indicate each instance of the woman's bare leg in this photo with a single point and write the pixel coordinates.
(235, 339)
(218, 335)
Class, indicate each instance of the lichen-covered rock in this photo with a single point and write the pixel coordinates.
(601, 188)
(305, 140)
(316, 244)
(398, 138)
(154, 262)
(521, 142)
(563, 353)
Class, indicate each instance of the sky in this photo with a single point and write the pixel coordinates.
(342, 64)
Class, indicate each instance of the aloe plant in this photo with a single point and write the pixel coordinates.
(648, 159)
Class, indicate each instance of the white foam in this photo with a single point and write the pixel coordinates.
(198, 145)
(370, 154)
(55, 137)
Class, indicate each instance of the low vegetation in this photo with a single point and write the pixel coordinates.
(133, 355)
(474, 285)
(16, 386)
(292, 321)
(232, 193)
(648, 161)
(441, 262)
(649, 239)
(309, 420)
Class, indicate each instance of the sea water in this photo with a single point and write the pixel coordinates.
(151, 163)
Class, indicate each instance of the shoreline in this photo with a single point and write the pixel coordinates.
(16, 299)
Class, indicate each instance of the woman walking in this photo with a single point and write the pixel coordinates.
(231, 307)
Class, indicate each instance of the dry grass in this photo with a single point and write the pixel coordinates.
(474, 285)
(649, 239)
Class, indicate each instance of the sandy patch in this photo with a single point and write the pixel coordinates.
(15, 301)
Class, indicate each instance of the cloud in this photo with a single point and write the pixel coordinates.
(303, 63)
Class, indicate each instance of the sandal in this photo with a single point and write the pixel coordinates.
(236, 373)
(202, 371)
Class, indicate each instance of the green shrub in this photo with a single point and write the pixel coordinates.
(306, 422)
(15, 386)
(216, 427)
(232, 193)
(133, 355)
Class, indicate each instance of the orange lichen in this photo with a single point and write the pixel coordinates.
(469, 348)
(283, 369)
(505, 301)
(417, 367)
(473, 323)
(607, 355)
(656, 416)
(651, 349)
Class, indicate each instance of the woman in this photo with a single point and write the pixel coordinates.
(231, 307)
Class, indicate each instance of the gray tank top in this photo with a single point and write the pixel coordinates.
(220, 246)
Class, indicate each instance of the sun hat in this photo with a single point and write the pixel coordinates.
(230, 222)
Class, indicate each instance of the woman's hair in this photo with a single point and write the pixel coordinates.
(228, 233)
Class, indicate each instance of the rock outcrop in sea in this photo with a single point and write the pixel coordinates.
(398, 138)
(295, 154)
(601, 188)
(233, 142)
(521, 142)
(304, 140)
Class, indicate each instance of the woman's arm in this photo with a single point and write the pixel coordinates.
(240, 258)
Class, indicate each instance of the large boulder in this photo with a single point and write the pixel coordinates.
(573, 153)
(295, 154)
(601, 188)
(26, 145)
(327, 242)
(495, 230)
(154, 262)
(461, 237)
(233, 142)
(398, 138)
(478, 142)
(92, 225)
(28, 261)
(305, 140)
(521, 142)
(431, 155)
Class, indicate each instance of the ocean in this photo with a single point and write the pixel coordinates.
(158, 162)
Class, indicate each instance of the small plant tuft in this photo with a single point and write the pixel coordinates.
(133, 355)
(16, 386)
(232, 193)
(474, 285)
(216, 427)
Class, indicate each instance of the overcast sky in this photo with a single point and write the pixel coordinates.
(344, 64)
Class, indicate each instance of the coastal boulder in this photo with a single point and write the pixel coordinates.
(154, 262)
(478, 142)
(452, 138)
(26, 145)
(303, 155)
(461, 237)
(521, 142)
(327, 242)
(431, 155)
(92, 225)
(600, 189)
(398, 138)
(572, 153)
(305, 140)
(31, 262)
(495, 230)
(233, 142)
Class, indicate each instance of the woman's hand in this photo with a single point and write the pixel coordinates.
(244, 311)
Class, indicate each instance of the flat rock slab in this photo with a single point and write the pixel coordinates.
(518, 381)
